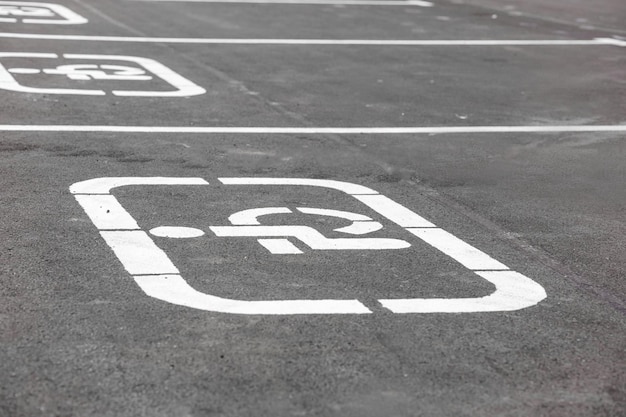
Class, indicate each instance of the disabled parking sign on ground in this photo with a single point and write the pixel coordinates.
(157, 275)
(38, 13)
(91, 75)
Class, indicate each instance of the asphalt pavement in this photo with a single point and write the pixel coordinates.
(312, 208)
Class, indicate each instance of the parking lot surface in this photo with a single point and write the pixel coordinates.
(312, 208)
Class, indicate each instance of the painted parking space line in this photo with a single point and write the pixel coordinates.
(27, 12)
(322, 42)
(315, 130)
(419, 3)
(84, 68)
(158, 277)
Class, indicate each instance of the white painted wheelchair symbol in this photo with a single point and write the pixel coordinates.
(38, 13)
(246, 224)
(139, 70)
(158, 277)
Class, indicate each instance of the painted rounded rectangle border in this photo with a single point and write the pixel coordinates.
(158, 277)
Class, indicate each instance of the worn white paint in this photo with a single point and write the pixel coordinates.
(321, 42)
(159, 278)
(182, 86)
(315, 130)
(38, 13)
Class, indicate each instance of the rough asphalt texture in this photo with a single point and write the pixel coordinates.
(78, 337)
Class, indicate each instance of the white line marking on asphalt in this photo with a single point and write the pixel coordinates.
(182, 86)
(311, 237)
(395, 212)
(38, 13)
(315, 130)
(513, 291)
(175, 232)
(355, 217)
(250, 217)
(321, 42)
(104, 185)
(463, 253)
(174, 289)
(106, 212)
(280, 246)
(138, 252)
(420, 3)
(159, 278)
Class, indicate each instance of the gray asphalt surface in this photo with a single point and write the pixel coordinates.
(78, 336)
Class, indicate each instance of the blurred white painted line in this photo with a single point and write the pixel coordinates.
(419, 3)
(159, 278)
(315, 130)
(38, 13)
(322, 42)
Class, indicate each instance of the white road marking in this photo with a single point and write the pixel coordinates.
(420, 3)
(176, 232)
(174, 289)
(252, 227)
(158, 277)
(463, 253)
(322, 42)
(355, 217)
(395, 212)
(361, 224)
(280, 246)
(182, 86)
(311, 237)
(513, 292)
(38, 13)
(106, 213)
(104, 185)
(316, 130)
(250, 217)
(138, 252)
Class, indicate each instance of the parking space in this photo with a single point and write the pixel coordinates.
(204, 217)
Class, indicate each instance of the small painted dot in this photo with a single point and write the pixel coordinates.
(176, 232)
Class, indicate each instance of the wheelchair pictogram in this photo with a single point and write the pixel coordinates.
(246, 224)
(124, 70)
(158, 277)
(38, 13)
